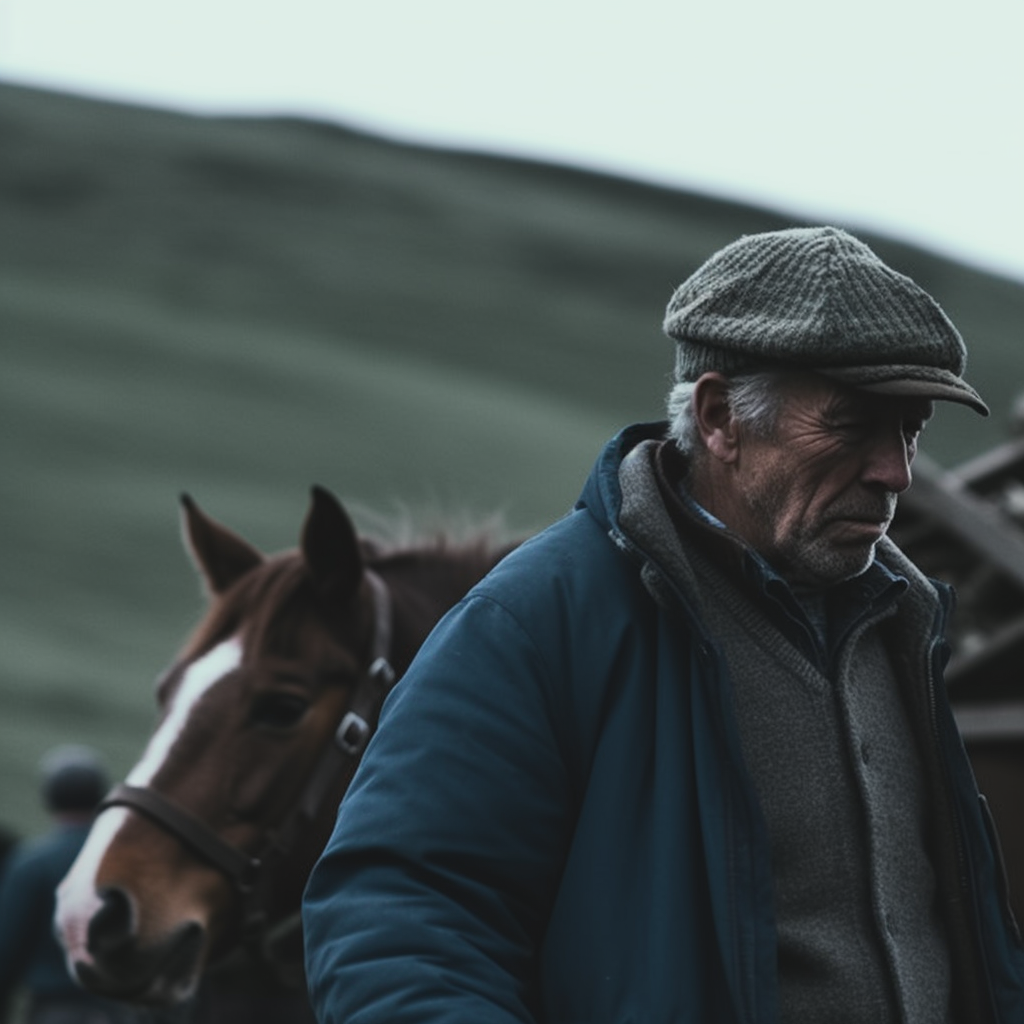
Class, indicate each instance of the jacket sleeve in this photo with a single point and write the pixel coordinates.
(431, 897)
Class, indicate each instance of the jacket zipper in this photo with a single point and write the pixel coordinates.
(746, 1007)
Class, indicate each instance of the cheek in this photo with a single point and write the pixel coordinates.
(257, 781)
(775, 495)
(267, 774)
(816, 484)
(271, 771)
(794, 510)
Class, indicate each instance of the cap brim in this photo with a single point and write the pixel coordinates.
(912, 381)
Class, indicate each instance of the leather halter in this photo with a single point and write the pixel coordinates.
(248, 873)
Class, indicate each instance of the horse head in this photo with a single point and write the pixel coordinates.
(263, 716)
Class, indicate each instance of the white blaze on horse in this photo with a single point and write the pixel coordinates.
(208, 843)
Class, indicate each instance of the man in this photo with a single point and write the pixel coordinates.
(73, 783)
(685, 756)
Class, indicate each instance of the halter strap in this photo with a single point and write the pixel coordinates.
(237, 865)
(383, 619)
(359, 722)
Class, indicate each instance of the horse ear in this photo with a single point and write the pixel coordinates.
(330, 547)
(221, 556)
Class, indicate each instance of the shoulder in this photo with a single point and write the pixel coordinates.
(574, 563)
(550, 630)
(563, 602)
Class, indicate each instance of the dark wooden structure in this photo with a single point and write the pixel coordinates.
(966, 526)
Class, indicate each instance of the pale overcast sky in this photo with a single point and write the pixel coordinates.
(902, 116)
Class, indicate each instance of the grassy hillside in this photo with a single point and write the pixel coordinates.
(240, 308)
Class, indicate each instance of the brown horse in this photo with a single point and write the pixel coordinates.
(207, 845)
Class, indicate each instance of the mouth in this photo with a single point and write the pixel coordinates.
(160, 991)
(861, 529)
(116, 964)
(175, 982)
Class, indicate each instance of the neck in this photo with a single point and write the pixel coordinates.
(704, 483)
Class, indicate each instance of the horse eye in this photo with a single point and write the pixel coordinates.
(278, 710)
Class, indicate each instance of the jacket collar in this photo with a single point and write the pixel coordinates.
(602, 493)
(817, 626)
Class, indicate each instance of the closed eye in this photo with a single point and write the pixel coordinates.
(854, 431)
(278, 710)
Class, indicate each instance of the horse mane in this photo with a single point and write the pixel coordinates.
(261, 599)
(426, 579)
(450, 561)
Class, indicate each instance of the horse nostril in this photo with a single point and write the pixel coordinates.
(185, 950)
(87, 976)
(111, 926)
(161, 970)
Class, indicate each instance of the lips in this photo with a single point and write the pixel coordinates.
(860, 530)
(873, 525)
(876, 517)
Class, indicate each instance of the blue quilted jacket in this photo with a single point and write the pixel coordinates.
(554, 823)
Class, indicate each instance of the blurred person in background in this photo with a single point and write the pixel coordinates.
(73, 783)
(8, 840)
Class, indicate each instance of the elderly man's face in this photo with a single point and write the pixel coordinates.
(818, 494)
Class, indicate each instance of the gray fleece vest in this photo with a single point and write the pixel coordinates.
(834, 764)
(835, 767)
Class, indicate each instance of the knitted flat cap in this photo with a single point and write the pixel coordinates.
(816, 299)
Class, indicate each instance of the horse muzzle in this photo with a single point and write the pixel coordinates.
(113, 961)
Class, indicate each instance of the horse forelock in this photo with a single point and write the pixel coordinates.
(269, 609)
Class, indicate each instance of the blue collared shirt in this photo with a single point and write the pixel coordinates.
(816, 621)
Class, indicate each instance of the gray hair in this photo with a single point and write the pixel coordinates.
(755, 400)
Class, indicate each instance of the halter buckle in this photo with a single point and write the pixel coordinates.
(353, 734)
(382, 672)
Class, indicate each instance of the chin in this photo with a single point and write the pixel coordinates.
(831, 567)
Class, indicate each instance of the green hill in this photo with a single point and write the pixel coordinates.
(240, 308)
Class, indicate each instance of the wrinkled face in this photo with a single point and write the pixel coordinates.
(240, 730)
(816, 496)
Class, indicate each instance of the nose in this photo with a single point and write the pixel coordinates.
(887, 462)
(122, 966)
(110, 930)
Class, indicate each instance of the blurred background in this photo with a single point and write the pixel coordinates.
(418, 254)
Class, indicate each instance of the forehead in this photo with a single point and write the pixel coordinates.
(814, 393)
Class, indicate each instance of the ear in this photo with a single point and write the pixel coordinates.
(330, 547)
(222, 557)
(713, 417)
